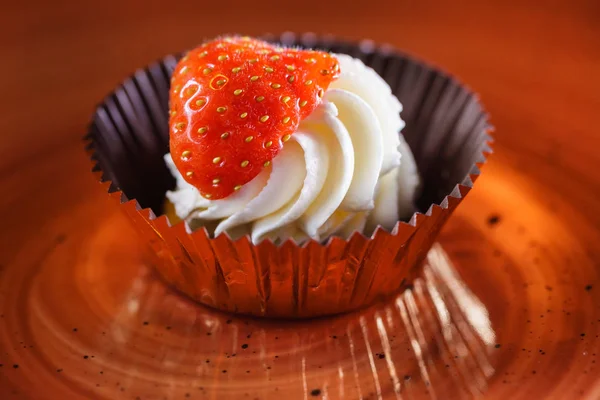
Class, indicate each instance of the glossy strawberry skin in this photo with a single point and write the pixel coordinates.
(234, 102)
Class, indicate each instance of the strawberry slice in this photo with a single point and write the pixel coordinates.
(234, 102)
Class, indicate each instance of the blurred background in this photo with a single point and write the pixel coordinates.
(532, 63)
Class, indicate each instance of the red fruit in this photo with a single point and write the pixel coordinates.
(234, 102)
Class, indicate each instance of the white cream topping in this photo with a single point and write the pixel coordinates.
(345, 169)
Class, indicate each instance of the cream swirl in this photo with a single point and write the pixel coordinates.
(345, 169)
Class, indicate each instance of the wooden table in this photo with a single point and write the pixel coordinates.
(537, 69)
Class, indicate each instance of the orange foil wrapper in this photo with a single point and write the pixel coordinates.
(446, 129)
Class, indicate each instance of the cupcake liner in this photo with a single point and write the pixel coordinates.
(446, 128)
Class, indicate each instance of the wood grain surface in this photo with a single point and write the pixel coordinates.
(525, 240)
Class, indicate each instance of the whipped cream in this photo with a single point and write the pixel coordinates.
(345, 169)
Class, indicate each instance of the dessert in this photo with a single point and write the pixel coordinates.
(258, 271)
(283, 143)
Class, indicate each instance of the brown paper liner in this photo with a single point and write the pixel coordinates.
(446, 128)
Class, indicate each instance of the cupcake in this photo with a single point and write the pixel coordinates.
(285, 181)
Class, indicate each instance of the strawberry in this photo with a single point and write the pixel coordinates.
(234, 102)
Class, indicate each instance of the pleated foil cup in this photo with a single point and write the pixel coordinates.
(446, 129)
